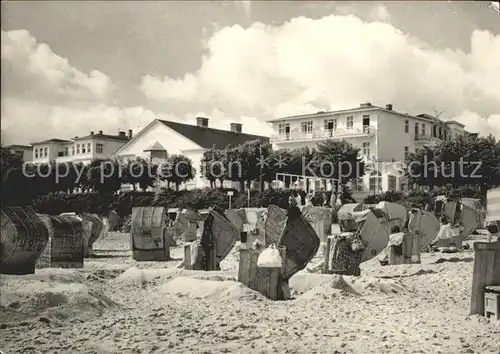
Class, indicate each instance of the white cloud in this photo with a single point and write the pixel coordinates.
(33, 68)
(24, 122)
(337, 62)
(44, 97)
(482, 125)
(380, 12)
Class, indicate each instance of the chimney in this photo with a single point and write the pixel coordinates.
(365, 105)
(91, 133)
(100, 132)
(202, 122)
(236, 127)
(130, 134)
(388, 107)
(121, 134)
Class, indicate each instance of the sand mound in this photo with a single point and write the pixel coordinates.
(336, 286)
(158, 276)
(209, 289)
(303, 282)
(366, 285)
(59, 300)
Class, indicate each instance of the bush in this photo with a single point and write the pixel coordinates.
(60, 202)
(98, 203)
(389, 196)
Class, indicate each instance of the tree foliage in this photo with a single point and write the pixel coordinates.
(466, 161)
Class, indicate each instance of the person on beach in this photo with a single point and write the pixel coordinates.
(292, 201)
(298, 199)
(445, 232)
(325, 199)
(396, 240)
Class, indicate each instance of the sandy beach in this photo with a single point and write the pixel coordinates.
(117, 305)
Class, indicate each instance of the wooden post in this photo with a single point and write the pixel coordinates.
(486, 272)
(416, 245)
(212, 263)
(406, 251)
(319, 227)
(267, 281)
(328, 246)
(196, 264)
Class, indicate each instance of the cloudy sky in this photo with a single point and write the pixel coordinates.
(72, 67)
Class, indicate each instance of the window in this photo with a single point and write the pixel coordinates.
(366, 149)
(357, 185)
(391, 182)
(349, 122)
(89, 147)
(284, 128)
(366, 123)
(45, 152)
(99, 148)
(77, 148)
(330, 124)
(423, 129)
(407, 126)
(84, 148)
(407, 152)
(375, 182)
(307, 127)
(66, 151)
(416, 130)
(19, 153)
(434, 131)
(73, 150)
(36, 153)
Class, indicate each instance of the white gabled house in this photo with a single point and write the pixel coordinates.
(161, 138)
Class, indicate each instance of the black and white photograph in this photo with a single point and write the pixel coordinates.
(250, 177)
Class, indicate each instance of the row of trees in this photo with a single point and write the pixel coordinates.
(21, 183)
(255, 161)
(468, 161)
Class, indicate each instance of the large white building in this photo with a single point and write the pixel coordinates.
(79, 149)
(383, 134)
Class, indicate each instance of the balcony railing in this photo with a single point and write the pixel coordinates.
(321, 134)
(426, 139)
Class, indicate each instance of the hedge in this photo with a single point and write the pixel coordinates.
(59, 202)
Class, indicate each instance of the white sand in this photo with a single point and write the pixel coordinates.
(117, 305)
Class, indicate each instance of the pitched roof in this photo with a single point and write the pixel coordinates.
(455, 122)
(104, 136)
(156, 147)
(51, 141)
(17, 146)
(209, 137)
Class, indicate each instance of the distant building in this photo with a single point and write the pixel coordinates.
(383, 135)
(23, 151)
(161, 138)
(79, 149)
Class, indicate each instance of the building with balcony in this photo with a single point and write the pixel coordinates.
(385, 138)
(25, 152)
(79, 149)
